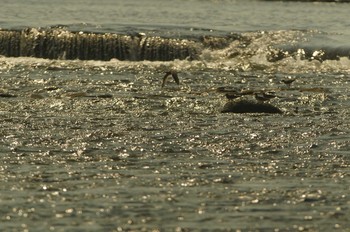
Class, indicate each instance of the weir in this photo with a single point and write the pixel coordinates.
(60, 43)
(57, 43)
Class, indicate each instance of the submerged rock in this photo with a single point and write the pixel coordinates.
(246, 106)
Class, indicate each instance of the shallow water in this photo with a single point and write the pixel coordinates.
(99, 149)
(100, 146)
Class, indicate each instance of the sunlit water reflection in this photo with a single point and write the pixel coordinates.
(86, 149)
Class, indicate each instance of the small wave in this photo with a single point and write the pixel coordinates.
(312, 52)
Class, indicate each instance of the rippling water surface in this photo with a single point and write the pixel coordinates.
(96, 148)
(100, 146)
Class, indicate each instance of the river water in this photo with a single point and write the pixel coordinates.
(101, 146)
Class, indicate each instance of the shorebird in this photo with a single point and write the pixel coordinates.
(226, 89)
(288, 82)
(173, 73)
(269, 94)
(232, 95)
(247, 92)
(262, 97)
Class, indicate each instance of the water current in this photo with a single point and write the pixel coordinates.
(89, 145)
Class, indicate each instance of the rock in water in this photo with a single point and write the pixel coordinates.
(245, 106)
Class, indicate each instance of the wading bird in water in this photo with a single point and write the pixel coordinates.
(232, 96)
(288, 82)
(262, 97)
(173, 73)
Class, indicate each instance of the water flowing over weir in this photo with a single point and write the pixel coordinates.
(57, 43)
(268, 48)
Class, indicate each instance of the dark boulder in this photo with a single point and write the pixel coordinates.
(245, 106)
